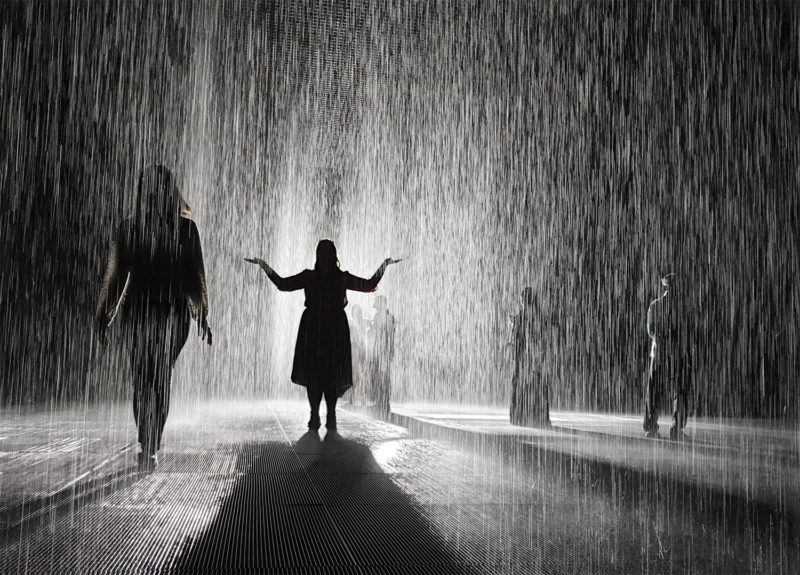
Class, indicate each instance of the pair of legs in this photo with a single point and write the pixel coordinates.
(315, 395)
(530, 397)
(380, 386)
(162, 330)
(660, 378)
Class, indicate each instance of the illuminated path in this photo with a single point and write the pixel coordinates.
(243, 487)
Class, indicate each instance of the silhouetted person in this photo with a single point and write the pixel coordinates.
(322, 355)
(670, 358)
(382, 333)
(358, 334)
(156, 266)
(530, 401)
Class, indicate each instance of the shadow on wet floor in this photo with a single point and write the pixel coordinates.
(17, 521)
(317, 507)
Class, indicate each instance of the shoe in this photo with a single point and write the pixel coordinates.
(330, 422)
(314, 422)
(653, 434)
(146, 462)
(677, 434)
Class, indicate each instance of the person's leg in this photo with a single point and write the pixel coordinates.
(163, 409)
(148, 418)
(330, 404)
(514, 411)
(144, 398)
(529, 393)
(651, 402)
(537, 411)
(382, 385)
(140, 368)
(546, 401)
(137, 371)
(684, 407)
(369, 381)
(387, 390)
(161, 389)
(314, 399)
(179, 324)
(680, 405)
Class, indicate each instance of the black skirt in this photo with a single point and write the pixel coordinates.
(322, 354)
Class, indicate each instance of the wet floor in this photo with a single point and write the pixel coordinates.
(244, 487)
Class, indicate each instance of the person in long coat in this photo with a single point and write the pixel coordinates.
(323, 356)
(359, 326)
(670, 358)
(382, 336)
(155, 265)
(530, 398)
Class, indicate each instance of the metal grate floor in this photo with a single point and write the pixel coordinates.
(245, 488)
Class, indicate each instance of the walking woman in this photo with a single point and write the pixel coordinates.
(322, 354)
(156, 266)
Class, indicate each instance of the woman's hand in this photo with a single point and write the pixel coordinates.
(206, 334)
(261, 263)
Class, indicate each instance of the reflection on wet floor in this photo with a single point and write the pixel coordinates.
(244, 486)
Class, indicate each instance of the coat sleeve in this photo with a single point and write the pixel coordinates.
(652, 320)
(113, 285)
(291, 283)
(198, 295)
(355, 283)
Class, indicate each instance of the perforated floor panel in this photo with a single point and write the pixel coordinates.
(246, 488)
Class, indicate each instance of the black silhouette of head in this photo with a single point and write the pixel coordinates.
(327, 260)
(380, 303)
(159, 200)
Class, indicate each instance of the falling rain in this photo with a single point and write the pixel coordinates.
(600, 155)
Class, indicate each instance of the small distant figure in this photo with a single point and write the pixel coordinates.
(156, 266)
(359, 326)
(323, 354)
(530, 398)
(382, 332)
(670, 358)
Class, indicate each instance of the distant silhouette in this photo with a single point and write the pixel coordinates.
(155, 265)
(670, 358)
(530, 401)
(322, 355)
(381, 340)
(358, 334)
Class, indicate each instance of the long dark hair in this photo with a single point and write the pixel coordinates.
(159, 206)
(327, 261)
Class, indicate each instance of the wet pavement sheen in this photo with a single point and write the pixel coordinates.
(245, 487)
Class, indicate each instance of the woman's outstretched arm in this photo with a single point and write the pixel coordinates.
(291, 283)
(356, 283)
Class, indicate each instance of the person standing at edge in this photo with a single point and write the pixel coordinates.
(670, 358)
(530, 398)
(358, 332)
(322, 354)
(382, 338)
(155, 266)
